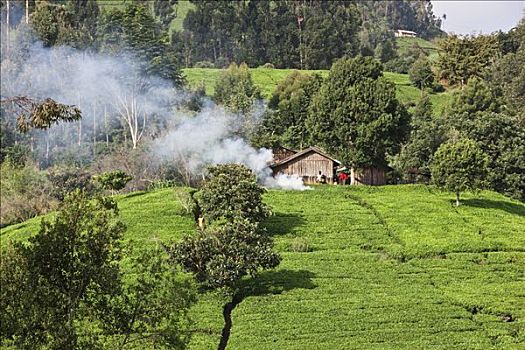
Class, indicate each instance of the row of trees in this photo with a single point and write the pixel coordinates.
(288, 34)
(488, 110)
(353, 113)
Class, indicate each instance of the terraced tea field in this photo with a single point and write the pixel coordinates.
(393, 267)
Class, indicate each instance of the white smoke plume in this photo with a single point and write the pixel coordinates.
(110, 90)
(210, 137)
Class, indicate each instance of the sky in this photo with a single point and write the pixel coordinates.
(469, 17)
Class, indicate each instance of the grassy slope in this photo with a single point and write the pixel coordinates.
(404, 44)
(268, 79)
(394, 267)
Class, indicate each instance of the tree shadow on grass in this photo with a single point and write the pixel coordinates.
(282, 223)
(277, 282)
(511, 208)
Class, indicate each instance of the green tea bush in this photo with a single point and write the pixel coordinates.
(300, 245)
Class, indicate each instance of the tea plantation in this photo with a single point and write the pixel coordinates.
(393, 267)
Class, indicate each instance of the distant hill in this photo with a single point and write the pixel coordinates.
(267, 80)
(392, 267)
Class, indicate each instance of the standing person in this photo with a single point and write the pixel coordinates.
(342, 178)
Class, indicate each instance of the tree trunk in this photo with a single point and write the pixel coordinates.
(7, 27)
(457, 199)
(94, 129)
(106, 124)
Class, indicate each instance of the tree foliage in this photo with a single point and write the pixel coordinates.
(356, 116)
(286, 123)
(421, 74)
(64, 289)
(113, 180)
(151, 308)
(459, 166)
(480, 112)
(72, 260)
(133, 29)
(220, 256)
(232, 193)
(300, 34)
(426, 135)
(69, 22)
(40, 114)
(235, 89)
(461, 58)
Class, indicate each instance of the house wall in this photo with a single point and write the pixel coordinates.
(308, 167)
(368, 176)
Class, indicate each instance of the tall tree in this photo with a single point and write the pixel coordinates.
(426, 135)
(72, 260)
(235, 90)
(231, 248)
(421, 74)
(461, 58)
(459, 166)
(133, 30)
(285, 123)
(356, 115)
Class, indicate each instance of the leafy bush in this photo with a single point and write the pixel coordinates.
(221, 256)
(67, 180)
(300, 245)
(113, 180)
(232, 193)
(26, 192)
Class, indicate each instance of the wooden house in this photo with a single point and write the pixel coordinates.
(307, 164)
(368, 176)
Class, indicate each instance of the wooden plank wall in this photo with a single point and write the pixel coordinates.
(308, 167)
(370, 176)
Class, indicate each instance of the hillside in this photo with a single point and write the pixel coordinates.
(267, 79)
(393, 267)
(404, 44)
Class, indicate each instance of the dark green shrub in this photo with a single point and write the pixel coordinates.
(67, 180)
(232, 193)
(113, 180)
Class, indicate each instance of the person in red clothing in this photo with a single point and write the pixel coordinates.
(342, 178)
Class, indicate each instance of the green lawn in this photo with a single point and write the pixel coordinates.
(267, 79)
(392, 267)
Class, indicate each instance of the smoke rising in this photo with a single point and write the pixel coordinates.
(211, 137)
(113, 93)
